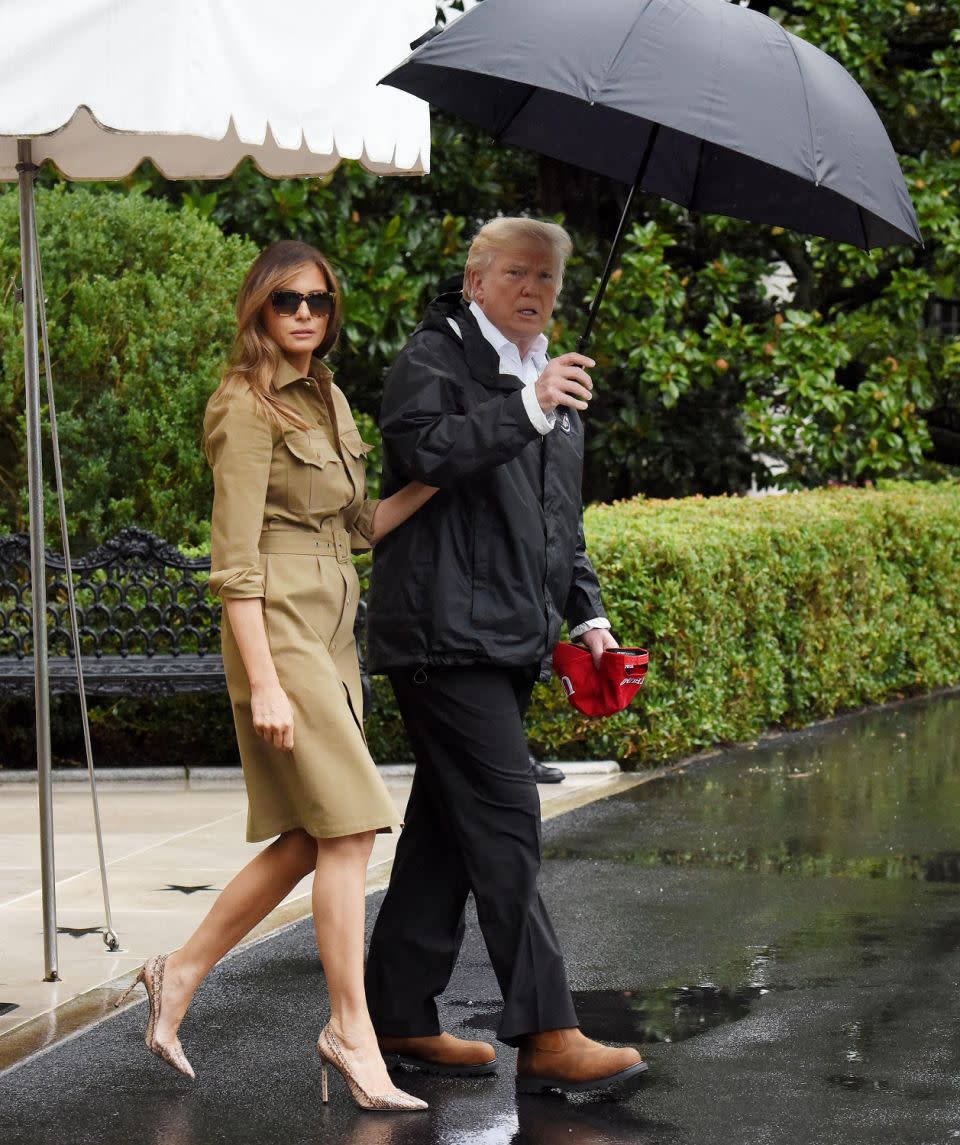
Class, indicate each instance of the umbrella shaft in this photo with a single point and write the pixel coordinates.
(618, 238)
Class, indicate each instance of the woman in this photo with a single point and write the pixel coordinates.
(289, 505)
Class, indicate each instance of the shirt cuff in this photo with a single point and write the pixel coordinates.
(598, 622)
(238, 584)
(542, 422)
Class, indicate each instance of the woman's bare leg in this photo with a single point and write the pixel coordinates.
(246, 900)
(339, 906)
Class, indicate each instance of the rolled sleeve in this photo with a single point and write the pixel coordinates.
(239, 446)
(361, 532)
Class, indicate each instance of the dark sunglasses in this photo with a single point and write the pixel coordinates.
(320, 303)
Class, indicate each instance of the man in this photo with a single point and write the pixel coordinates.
(465, 606)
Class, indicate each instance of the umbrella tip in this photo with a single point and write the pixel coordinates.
(426, 37)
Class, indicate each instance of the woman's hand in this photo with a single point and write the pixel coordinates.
(272, 715)
(269, 705)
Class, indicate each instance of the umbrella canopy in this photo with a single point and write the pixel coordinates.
(100, 85)
(708, 104)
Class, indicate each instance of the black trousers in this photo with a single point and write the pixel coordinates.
(472, 825)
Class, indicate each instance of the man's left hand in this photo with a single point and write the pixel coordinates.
(597, 641)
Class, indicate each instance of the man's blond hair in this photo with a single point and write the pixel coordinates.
(504, 234)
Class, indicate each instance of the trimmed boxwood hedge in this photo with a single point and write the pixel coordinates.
(776, 611)
(758, 613)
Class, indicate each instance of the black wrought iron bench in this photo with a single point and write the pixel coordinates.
(148, 624)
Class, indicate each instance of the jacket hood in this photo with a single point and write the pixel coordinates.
(481, 358)
(446, 306)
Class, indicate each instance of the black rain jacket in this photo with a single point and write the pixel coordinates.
(485, 573)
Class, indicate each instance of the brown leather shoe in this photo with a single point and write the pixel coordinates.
(572, 1063)
(440, 1054)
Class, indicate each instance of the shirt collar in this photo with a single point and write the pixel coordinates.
(501, 343)
(287, 374)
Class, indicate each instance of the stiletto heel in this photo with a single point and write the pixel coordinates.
(130, 989)
(151, 975)
(331, 1053)
(324, 1091)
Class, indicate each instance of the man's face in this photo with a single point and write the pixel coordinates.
(518, 292)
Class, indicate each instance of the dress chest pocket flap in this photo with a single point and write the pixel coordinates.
(307, 479)
(354, 444)
(310, 446)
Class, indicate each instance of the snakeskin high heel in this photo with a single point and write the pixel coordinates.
(331, 1053)
(151, 975)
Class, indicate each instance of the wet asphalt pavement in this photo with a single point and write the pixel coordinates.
(778, 930)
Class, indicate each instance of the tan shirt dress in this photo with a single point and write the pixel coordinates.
(289, 506)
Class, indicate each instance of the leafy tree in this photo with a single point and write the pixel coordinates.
(702, 368)
(140, 303)
(706, 379)
(847, 380)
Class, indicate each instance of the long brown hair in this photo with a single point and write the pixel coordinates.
(256, 358)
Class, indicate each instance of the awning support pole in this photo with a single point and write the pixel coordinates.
(26, 170)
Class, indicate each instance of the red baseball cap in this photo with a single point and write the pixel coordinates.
(603, 691)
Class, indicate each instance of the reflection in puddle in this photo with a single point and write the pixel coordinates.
(562, 1121)
(859, 1083)
(943, 867)
(668, 1014)
(869, 798)
(500, 1131)
(851, 1081)
(943, 937)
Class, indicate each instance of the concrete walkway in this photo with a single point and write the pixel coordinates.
(171, 845)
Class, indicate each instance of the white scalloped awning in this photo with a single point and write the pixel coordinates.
(197, 85)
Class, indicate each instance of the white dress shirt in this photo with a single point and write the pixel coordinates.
(528, 369)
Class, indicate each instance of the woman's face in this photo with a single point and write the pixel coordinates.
(298, 334)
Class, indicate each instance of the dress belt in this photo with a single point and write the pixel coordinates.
(327, 542)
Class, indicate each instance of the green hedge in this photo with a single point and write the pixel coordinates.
(140, 301)
(776, 611)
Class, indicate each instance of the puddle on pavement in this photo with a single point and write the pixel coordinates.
(669, 1014)
(871, 797)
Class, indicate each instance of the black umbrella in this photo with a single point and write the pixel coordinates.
(703, 102)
